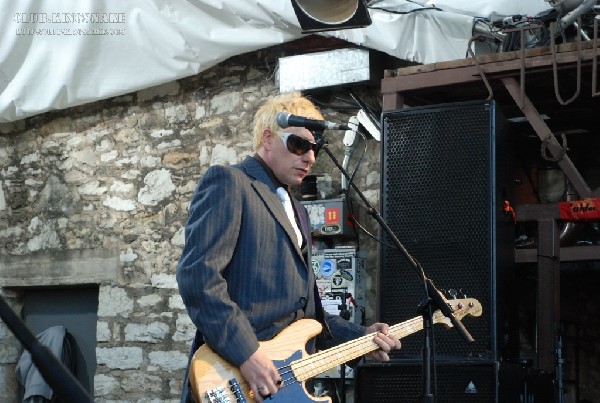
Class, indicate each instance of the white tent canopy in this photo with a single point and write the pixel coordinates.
(55, 55)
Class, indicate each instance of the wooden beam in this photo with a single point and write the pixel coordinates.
(545, 135)
(548, 293)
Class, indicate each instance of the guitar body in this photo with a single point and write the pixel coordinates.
(212, 378)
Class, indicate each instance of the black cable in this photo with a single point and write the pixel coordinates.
(350, 207)
(375, 109)
(405, 12)
(351, 102)
(323, 104)
(351, 180)
(349, 204)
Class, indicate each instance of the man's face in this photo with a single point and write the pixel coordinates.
(290, 167)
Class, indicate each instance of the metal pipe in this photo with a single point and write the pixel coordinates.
(583, 8)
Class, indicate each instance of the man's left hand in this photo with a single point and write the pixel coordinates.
(384, 339)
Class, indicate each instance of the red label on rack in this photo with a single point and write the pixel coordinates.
(584, 209)
(332, 216)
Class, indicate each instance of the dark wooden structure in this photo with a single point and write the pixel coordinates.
(531, 87)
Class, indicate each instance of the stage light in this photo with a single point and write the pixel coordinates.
(331, 15)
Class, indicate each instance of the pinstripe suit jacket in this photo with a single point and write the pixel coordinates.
(241, 275)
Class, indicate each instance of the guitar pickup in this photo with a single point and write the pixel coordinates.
(223, 395)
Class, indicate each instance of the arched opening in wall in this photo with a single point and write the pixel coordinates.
(47, 311)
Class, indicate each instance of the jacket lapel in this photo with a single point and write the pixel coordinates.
(267, 192)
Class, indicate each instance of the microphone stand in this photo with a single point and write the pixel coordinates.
(433, 297)
(54, 372)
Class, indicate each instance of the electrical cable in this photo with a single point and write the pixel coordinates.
(351, 207)
(405, 12)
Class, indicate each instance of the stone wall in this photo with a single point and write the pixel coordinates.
(98, 194)
(114, 178)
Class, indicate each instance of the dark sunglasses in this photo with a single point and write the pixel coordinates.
(299, 145)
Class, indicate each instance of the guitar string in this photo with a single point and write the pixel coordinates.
(303, 368)
(364, 345)
(399, 330)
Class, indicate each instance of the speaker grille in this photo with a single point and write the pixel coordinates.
(440, 197)
(402, 383)
(464, 382)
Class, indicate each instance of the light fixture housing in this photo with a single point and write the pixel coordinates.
(331, 15)
(328, 69)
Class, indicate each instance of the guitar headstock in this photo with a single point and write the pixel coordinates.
(460, 309)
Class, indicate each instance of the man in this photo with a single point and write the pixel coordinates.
(244, 273)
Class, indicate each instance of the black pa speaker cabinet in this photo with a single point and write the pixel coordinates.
(464, 382)
(446, 172)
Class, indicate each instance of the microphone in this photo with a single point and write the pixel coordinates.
(286, 119)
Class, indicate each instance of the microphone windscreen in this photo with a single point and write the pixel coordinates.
(282, 119)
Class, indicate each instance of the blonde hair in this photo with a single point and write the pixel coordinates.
(292, 102)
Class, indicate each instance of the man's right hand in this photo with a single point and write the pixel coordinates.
(261, 375)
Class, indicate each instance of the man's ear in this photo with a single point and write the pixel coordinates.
(267, 139)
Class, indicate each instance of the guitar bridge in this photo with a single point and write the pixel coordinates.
(231, 394)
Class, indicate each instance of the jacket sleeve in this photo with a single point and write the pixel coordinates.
(342, 331)
(210, 239)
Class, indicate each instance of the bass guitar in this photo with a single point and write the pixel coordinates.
(214, 380)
